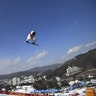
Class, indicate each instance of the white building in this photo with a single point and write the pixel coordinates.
(58, 78)
(16, 81)
(72, 70)
(29, 79)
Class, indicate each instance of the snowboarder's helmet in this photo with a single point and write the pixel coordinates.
(34, 33)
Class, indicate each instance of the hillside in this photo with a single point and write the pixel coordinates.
(44, 68)
(85, 61)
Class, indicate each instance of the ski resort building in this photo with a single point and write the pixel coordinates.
(72, 70)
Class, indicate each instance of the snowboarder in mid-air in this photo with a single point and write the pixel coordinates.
(31, 36)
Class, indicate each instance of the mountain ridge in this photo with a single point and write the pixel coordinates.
(86, 61)
(32, 71)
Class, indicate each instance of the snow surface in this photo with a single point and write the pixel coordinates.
(6, 95)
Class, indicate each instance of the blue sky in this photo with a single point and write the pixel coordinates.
(65, 28)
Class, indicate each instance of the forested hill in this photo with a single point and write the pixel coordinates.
(85, 61)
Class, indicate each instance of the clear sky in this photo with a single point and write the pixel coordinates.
(64, 29)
